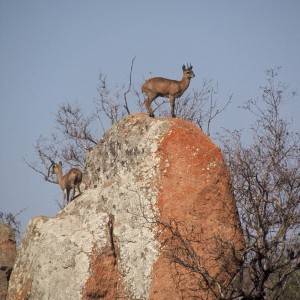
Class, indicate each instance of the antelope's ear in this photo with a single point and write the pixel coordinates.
(183, 67)
(60, 163)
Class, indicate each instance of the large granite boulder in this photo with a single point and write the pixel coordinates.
(159, 202)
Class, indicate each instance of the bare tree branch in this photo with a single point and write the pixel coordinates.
(129, 87)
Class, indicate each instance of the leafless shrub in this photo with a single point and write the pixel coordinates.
(12, 220)
(266, 185)
(77, 132)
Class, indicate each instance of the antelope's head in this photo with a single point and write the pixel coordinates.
(188, 72)
(56, 167)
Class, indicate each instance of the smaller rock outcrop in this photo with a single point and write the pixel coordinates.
(7, 256)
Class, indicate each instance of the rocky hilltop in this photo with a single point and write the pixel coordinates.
(159, 202)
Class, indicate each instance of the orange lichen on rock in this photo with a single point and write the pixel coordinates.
(197, 214)
(104, 281)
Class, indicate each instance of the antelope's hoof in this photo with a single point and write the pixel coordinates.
(173, 116)
(151, 115)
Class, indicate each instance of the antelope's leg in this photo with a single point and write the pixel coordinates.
(78, 187)
(68, 196)
(73, 194)
(172, 103)
(65, 198)
(147, 103)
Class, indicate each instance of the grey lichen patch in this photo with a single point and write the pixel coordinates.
(126, 145)
(55, 253)
(124, 168)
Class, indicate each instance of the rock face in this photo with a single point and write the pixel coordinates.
(7, 257)
(159, 199)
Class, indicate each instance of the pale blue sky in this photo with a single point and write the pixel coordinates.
(53, 51)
